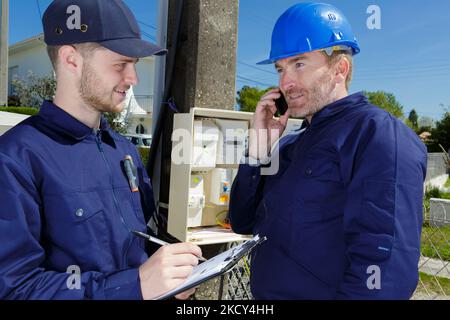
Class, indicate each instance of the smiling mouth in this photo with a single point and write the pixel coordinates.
(294, 97)
(120, 92)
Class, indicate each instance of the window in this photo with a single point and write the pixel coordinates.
(140, 129)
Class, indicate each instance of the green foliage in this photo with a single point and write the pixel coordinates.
(435, 242)
(21, 110)
(114, 122)
(447, 184)
(440, 135)
(413, 119)
(13, 101)
(33, 90)
(144, 153)
(386, 101)
(432, 192)
(248, 97)
(434, 284)
(411, 125)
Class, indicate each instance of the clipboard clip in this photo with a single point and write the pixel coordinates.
(247, 247)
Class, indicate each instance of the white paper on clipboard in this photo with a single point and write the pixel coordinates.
(215, 266)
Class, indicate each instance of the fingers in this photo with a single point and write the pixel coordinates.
(182, 248)
(168, 268)
(269, 97)
(182, 260)
(180, 272)
(186, 294)
(271, 94)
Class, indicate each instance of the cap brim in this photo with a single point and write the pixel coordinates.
(267, 61)
(133, 47)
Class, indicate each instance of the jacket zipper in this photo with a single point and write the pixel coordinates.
(116, 203)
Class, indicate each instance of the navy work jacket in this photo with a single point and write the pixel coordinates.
(343, 214)
(66, 211)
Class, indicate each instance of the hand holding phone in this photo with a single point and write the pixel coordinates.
(281, 104)
(268, 123)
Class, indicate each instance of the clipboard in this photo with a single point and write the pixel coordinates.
(215, 266)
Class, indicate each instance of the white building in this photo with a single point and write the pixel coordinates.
(31, 55)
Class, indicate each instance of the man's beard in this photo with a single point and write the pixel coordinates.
(93, 94)
(320, 95)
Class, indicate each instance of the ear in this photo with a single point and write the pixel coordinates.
(342, 68)
(70, 59)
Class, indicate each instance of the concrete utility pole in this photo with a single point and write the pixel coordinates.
(4, 53)
(204, 76)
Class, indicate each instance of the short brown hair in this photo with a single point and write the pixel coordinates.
(336, 57)
(86, 50)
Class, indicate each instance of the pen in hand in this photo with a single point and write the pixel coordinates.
(156, 240)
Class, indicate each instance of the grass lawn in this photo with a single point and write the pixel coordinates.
(436, 239)
(447, 184)
(432, 286)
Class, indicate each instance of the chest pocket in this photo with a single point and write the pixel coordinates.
(75, 225)
(319, 168)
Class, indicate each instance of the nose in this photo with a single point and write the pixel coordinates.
(131, 77)
(286, 81)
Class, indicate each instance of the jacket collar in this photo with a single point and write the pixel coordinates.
(63, 123)
(336, 107)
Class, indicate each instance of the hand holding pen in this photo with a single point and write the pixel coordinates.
(169, 267)
(157, 241)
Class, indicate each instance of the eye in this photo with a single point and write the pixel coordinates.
(279, 70)
(299, 65)
(120, 66)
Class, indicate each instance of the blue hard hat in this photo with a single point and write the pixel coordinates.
(307, 27)
(109, 23)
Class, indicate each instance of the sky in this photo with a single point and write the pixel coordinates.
(409, 56)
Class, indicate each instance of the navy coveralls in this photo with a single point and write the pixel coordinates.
(343, 214)
(65, 203)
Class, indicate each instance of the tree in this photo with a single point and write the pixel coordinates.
(248, 97)
(440, 135)
(414, 119)
(386, 101)
(33, 90)
(115, 122)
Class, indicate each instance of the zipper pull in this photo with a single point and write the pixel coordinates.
(98, 139)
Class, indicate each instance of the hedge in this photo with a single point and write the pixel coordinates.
(21, 110)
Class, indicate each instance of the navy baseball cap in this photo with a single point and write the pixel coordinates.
(109, 23)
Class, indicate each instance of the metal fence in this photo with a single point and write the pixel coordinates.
(434, 264)
(237, 282)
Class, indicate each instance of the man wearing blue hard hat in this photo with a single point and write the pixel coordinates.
(68, 210)
(343, 213)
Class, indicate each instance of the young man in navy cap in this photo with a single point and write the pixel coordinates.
(67, 210)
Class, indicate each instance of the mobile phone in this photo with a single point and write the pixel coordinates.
(281, 104)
